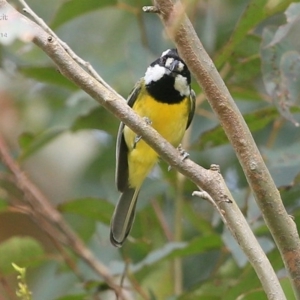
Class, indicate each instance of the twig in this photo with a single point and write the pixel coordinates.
(7, 289)
(267, 196)
(45, 214)
(122, 280)
(204, 195)
(162, 220)
(177, 272)
(86, 65)
(138, 288)
(67, 258)
(209, 180)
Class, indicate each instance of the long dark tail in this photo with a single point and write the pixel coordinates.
(123, 216)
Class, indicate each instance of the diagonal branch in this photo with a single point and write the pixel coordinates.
(209, 180)
(42, 212)
(281, 226)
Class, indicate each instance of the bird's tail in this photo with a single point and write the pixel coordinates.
(123, 216)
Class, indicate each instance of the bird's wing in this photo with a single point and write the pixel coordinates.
(192, 111)
(121, 147)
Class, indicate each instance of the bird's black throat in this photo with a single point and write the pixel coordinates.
(164, 91)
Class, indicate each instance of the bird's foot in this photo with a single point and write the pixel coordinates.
(182, 152)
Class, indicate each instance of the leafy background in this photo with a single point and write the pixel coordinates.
(66, 143)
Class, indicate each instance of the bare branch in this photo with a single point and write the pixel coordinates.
(86, 65)
(266, 194)
(52, 222)
(209, 180)
(205, 195)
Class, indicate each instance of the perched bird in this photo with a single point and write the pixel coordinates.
(165, 99)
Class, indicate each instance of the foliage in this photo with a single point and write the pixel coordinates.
(66, 143)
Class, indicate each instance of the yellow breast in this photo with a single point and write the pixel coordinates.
(169, 120)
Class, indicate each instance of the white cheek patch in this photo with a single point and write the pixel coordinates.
(154, 73)
(169, 62)
(181, 85)
(180, 66)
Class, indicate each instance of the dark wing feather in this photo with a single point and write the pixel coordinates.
(121, 147)
(121, 161)
(192, 111)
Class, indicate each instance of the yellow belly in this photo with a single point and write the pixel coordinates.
(169, 120)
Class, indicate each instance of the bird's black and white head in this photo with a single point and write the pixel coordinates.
(168, 79)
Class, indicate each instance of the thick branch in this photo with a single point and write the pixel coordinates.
(209, 180)
(281, 226)
(206, 179)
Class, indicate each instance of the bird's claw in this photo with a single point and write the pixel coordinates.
(182, 152)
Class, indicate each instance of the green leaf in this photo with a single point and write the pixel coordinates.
(283, 163)
(96, 209)
(280, 63)
(247, 282)
(287, 288)
(92, 285)
(97, 118)
(74, 8)
(290, 195)
(198, 245)
(255, 120)
(23, 251)
(10, 189)
(245, 67)
(245, 72)
(84, 227)
(290, 84)
(174, 250)
(3, 205)
(203, 225)
(48, 75)
(292, 18)
(256, 11)
(159, 255)
(30, 143)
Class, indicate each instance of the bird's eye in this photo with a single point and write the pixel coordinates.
(163, 60)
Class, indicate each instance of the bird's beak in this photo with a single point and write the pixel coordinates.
(173, 67)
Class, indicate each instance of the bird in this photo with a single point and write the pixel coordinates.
(165, 100)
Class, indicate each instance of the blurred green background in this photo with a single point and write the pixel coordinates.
(65, 142)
